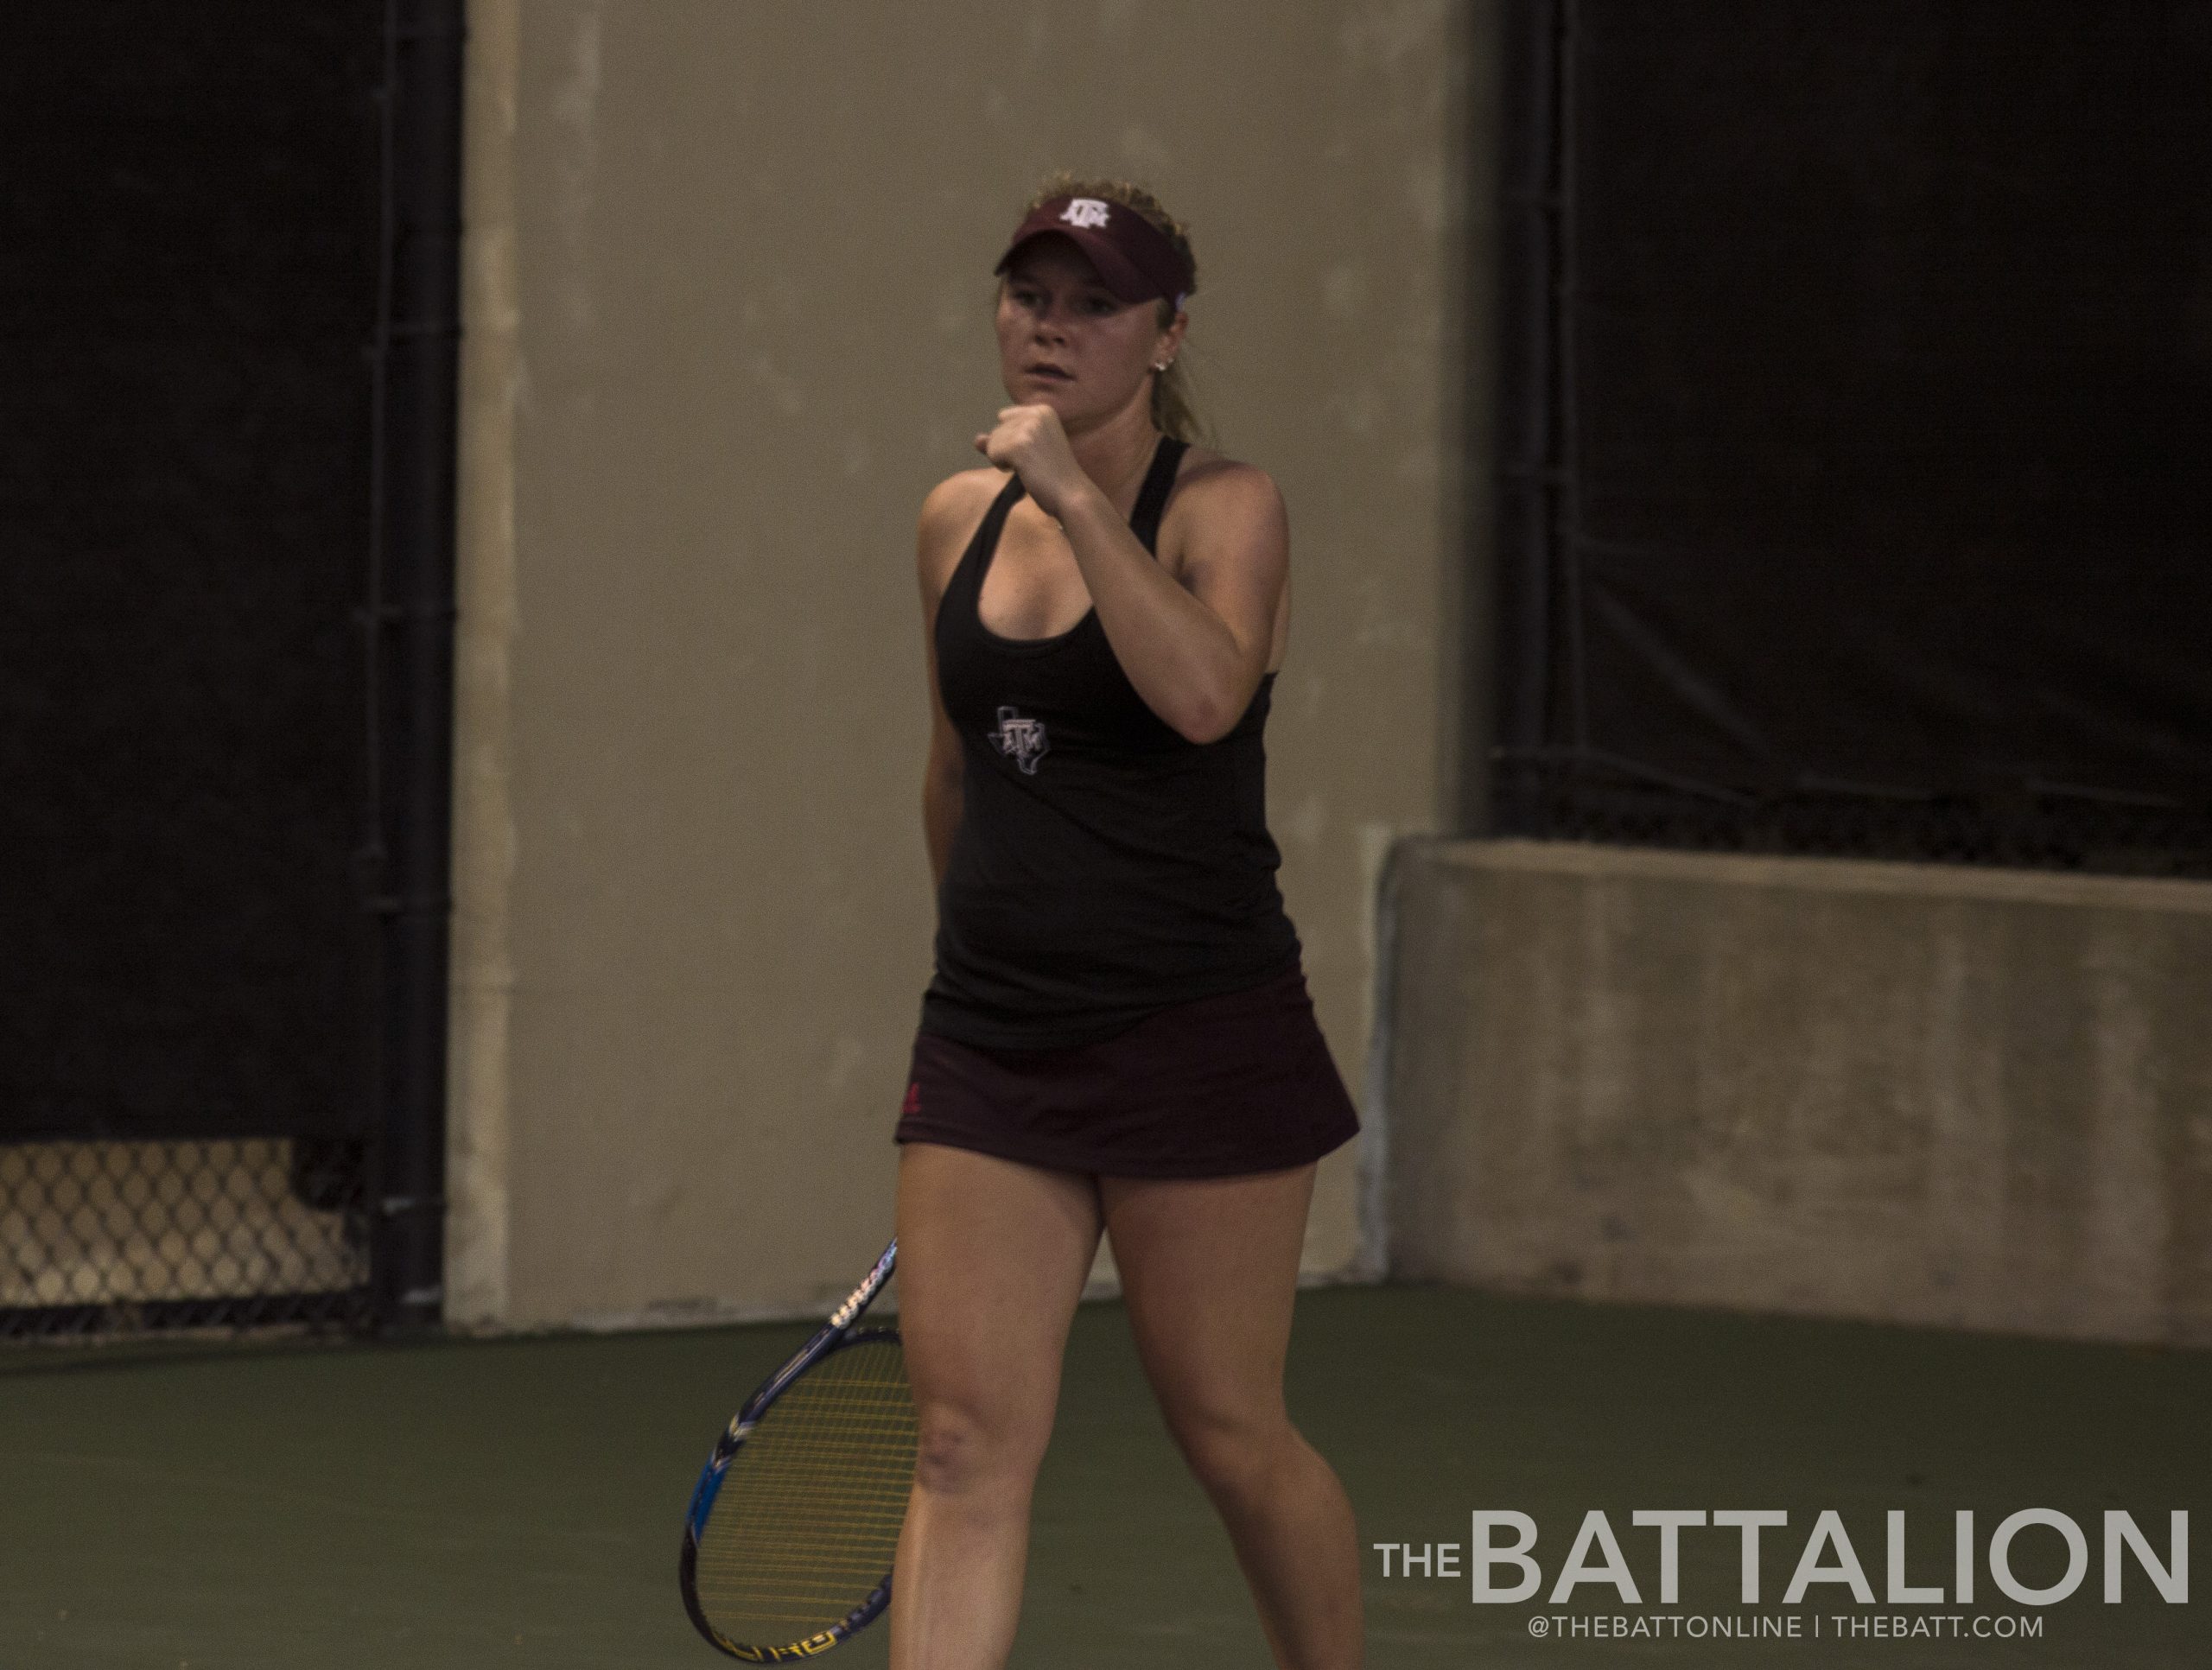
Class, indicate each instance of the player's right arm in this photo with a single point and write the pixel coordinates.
(949, 516)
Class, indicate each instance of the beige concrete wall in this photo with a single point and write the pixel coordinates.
(728, 299)
(1945, 1095)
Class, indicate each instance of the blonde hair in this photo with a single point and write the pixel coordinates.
(1174, 411)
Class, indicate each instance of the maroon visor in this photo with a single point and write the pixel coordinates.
(1136, 260)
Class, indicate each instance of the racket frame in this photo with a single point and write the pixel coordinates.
(839, 1331)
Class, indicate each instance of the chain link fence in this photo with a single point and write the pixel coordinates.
(124, 1237)
(228, 293)
(1797, 552)
(2029, 826)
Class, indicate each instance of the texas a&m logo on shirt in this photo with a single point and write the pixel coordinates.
(1022, 741)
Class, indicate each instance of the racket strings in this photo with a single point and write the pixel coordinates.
(808, 1518)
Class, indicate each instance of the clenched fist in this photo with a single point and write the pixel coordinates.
(1030, 442)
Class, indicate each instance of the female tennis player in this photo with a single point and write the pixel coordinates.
(1118, 1036)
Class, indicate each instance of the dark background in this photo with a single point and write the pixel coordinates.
(189, 264)
(1859, 499)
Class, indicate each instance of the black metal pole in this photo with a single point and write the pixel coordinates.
(1563, 478)
(415, 367)
(1530, 474)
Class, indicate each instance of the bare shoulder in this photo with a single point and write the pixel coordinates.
(949, 512)
(1216, 495)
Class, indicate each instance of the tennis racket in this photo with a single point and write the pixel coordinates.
(788, 1541)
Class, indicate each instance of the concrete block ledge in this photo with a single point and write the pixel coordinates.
(1966, 1097)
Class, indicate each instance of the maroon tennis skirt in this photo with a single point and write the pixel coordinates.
(1235, 1083)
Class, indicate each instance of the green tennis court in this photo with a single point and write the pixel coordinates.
(284, 1505)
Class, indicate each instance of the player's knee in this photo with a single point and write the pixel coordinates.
(958, 1451)
(1232, 1450)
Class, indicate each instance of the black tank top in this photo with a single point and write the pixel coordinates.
(1105, 865)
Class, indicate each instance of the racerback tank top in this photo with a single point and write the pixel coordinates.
(1104, 866)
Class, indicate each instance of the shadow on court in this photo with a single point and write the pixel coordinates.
(481, 1503)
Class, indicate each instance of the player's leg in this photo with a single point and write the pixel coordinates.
(1209, 1269)
(992, 1258)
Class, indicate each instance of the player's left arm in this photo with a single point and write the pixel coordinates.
(1233, 543)
(1194, 644)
